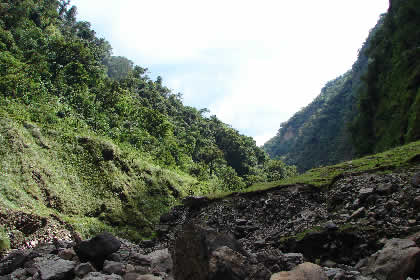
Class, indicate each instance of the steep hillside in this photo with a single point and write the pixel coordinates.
(318, 134)
(371, 108)
(90, 140)
(389, 103)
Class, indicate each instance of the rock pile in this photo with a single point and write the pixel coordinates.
(364, 227)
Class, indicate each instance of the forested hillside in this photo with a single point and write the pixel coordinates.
(91, 138)
(371, 108)
(319, 133)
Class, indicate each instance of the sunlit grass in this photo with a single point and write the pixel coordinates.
(322, 177)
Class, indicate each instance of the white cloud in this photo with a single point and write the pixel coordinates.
(253, 63)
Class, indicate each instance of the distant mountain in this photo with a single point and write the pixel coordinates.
(373, 107)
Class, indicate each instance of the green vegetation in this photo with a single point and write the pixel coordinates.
(318, 134)
(397, 158)
(389, 103)
(372, 108)
(89, 137)
(4, 240)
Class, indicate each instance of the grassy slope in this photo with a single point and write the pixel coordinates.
(401, 157)
(87, 180)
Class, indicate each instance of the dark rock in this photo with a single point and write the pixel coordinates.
(416, 202)
(193, 250)
(387, 188)
(241, 222)
(82, 269)
(365, 192)
(415, 180)
(195, 201)
(330, 226)
(12, 262)
(396, 261)
(226, 264)
(97, 249)
(51, 267)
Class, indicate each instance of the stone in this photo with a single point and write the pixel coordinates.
(365, 192)
(135, 276)
(194, 247)
(12, 262)
(416, 202)
(161, 261)
(226, 264)
(304, 271)
(82, 269)
(97, 249)
(386, 188)
(396, 261)
(415, 180)
(195, 201)
(330, 226)
(140, 259)
(67, 254)
(100, 276)
(111, 267)
(358, 213)
(51, 267)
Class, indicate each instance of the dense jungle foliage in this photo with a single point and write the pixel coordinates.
(373, 107)
(90, 137)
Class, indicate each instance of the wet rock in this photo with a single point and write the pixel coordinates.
(97, 249)
(305, 271)
(396, 261)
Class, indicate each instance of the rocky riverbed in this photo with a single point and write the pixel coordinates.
(364, 226)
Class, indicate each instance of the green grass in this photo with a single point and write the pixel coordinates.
(323, 177)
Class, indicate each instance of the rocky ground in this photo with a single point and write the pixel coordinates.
(364, 226)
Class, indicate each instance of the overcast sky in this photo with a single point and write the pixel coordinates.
(251, 63)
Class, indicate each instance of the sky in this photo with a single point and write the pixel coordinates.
(252, 63)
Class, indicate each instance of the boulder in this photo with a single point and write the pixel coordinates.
(52, 267)
(97, 249)
(196, 255)
(225, 263)
(398, 260)
(12, 262)
(415, 180)
(304, 271)
(111, 267)
(82, 269)
(161, 261)
(195, 201)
